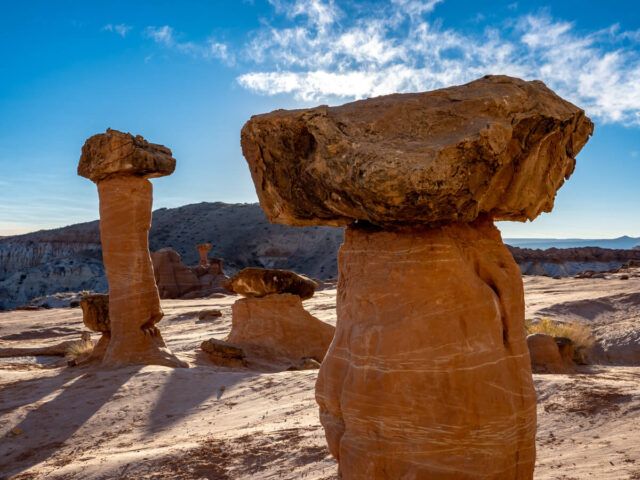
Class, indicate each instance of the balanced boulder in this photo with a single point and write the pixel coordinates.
(259, 282)
(428, 375)
(442, 156)
(121, 164)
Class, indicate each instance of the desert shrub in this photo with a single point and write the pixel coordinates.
(579, 333)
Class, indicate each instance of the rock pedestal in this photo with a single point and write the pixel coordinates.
(428, 375)
(278, 326)
(121, 164)
(203, 250)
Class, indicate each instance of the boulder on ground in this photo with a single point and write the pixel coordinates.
(209, 314)
(278, 326)
(259, 282)
(545, 354)
(95, 312)
(224, 353)
(498, 145)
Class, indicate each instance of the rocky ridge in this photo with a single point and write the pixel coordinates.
(70, 258)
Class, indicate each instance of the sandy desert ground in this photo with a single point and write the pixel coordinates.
(207, 422)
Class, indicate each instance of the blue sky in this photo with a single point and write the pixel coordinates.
(188, 74)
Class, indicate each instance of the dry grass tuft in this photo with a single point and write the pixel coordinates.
(578, 333)
(80, 349)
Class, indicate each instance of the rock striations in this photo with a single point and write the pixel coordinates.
(428, 376)
(121, 164)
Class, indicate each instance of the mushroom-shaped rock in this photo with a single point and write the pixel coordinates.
(428, 375)
(259, 282)
(121, 164)
(499, 145)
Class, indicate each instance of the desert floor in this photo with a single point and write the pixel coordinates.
(207, 422)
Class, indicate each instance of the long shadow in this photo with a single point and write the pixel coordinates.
(63, 416)
(23, 392)
(186, 389)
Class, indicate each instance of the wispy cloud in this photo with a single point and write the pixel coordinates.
(322, 53)
(209, 49)
(118, 28)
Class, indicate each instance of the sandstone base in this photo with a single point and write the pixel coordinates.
(279, 326)
(428, 376)
(134, 303)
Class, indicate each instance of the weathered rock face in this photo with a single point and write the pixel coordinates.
(95, 312)
(258, 282)
(134, 303)
(428, 375)
(498, 145)
(278, 326)
(117, 153)
(120, 164)
(174, 279)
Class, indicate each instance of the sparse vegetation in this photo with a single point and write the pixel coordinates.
(579, 333)
(80, 349)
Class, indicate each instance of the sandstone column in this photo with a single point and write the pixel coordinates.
(428, 375)
(203, 250)
(121, 165)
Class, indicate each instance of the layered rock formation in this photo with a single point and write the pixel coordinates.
(121, 164)
(260, 282)
(428, 375)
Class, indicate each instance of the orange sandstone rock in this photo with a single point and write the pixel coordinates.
(428, 376)
(546, 356)
(174, 278)
(203, 250)
(278, 326)
(120, 164)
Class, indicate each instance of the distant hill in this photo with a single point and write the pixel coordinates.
(623, 243)
(69, 259)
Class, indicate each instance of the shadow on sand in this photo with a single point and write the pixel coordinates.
(63, 415)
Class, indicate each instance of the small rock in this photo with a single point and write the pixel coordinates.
(624, 277)
(223, 353)
(209, 314)
(306, 363)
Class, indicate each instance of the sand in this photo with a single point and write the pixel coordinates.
(208, 422)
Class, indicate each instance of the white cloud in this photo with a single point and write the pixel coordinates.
(118, 28)
(209, 49)
(324, 53)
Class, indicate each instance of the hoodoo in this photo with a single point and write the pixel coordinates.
(428, 376)
(121, 164)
